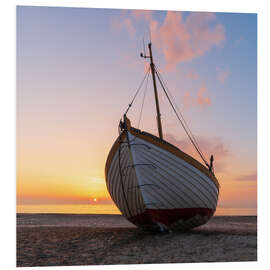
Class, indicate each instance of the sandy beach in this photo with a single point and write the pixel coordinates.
(65, 239)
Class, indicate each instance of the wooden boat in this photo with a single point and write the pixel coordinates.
(155, 185)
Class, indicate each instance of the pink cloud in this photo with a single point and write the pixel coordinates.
(142, 14)
(209, 146)
(200, 99)
(182, 40)
(179, 40)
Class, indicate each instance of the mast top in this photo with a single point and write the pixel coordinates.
(152, 65)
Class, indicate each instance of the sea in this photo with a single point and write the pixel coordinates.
(111, 209)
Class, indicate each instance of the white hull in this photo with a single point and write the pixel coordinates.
(152, 186)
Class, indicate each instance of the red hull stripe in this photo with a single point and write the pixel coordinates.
(169, 216)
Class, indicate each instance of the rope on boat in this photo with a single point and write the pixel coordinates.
(138, 90)
(182, 121)
(175, 109)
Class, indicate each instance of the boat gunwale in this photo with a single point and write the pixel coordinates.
(163, 145)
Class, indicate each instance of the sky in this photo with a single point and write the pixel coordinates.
(78, 69)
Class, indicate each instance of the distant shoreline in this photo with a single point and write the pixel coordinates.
(110, 209)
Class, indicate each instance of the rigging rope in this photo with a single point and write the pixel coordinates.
(179, 111)
(183, 122)
(171, 96)
(174, 106)
(130, 104)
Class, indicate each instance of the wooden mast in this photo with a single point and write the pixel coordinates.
(155, 91)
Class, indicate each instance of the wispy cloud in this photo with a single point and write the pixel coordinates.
(182, 40)
(179, 40)
(200, 99)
